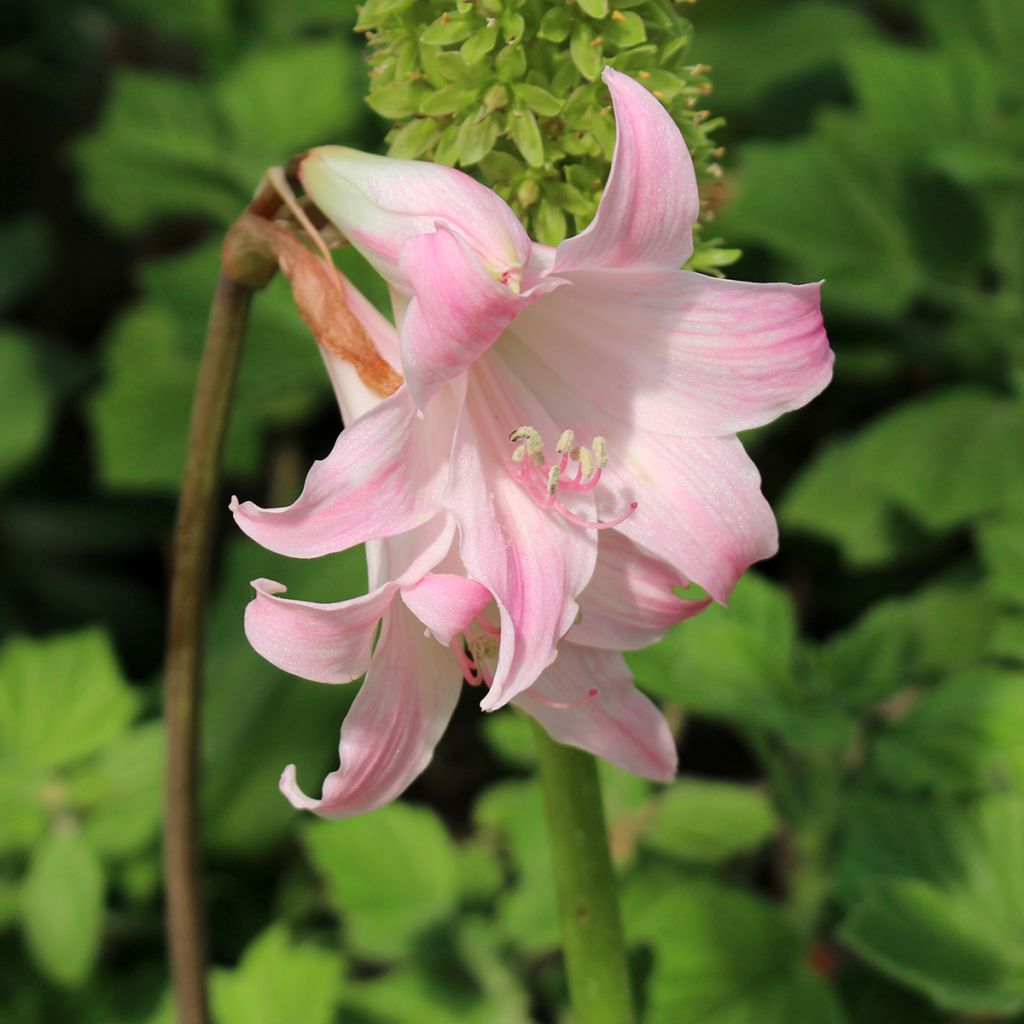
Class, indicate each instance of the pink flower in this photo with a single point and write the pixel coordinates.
(561, 456)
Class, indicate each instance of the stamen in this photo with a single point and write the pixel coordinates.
(465, 663)
(591, 694)
(544, 487)
(481, 620)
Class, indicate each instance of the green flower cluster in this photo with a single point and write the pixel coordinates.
(511, 91)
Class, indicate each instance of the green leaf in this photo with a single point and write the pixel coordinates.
(477, 135)
(770, 47)
(624, 29)
(937, 898)
(167, 145)
(141, 411)
(123, 792)
(721, 956)
(892, 465)
(390, 875)
(539, 100)
(62, 906)
(556, 24)
(586, 55)
(526, 135)
(397, 99)
(61, 698)
(963, 736)
(511, 816)
(479, 44)
(278, 980)
(26, 399)
(24, 815)
(412, 140)
(27, 247)
(447, 100)
(1002, 551)
(834, 206)
(733, 662)
(450, 28)
(707, 822)
(594, 8)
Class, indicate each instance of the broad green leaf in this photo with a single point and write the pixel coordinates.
(62, 697)
(525, 134)
(278, 980)
(62, 905)
(167, 145)
(390, 875)
(511, 816)
(833, 206)
(721, 956)
(705, 822)
(1002, 551)
(586, 52)
(936, 896)
(26, 399)
(141, 411)
(26, 248)
(539, 100)
(454, 978)
(624, 29)
(24, 787)
(122, 792)
(768, 47)
(732, 662)
(964, 735)
(943, 460)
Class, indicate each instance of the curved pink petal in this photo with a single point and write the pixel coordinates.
(617, 722)
(531, 559)
(328, 643)
(389, 734)
(379, 203)
(457, 311)
(699, 505)
(682, 353)
(630, 600)
(646, 214)
(699, 502)
(446, 604)
(384, 475)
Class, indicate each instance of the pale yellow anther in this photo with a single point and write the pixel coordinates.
(518, 454)
(565, 442)
(532, 439)
(481, 647)
(586, 461)
(600, 447)
(553, 477)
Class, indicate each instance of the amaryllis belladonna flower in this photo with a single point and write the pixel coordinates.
(561, 456)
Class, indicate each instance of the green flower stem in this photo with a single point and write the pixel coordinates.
(595, 952)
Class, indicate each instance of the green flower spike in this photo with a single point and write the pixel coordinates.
(510, 91)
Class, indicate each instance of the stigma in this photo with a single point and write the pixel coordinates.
(577, 470)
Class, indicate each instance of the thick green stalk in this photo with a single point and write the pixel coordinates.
(193, 537)
(595, 952)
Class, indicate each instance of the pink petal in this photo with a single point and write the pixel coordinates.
(682, 353)
(699, 505)
(384, 475)
(457, 311)
(328, 643)
(617, 723)
(390, 732)
(446, 604)
(646, 215)
(528, 557)
(630, 601)
(379, 203)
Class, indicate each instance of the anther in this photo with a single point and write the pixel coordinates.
(591, 694)
(600, 447)
(586, 461)
(565, 442)
(553, 476)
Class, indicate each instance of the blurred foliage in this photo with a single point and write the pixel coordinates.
(847, 840)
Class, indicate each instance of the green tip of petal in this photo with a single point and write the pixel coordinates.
(510, 91)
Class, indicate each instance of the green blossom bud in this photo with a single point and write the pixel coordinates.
(510, 91)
